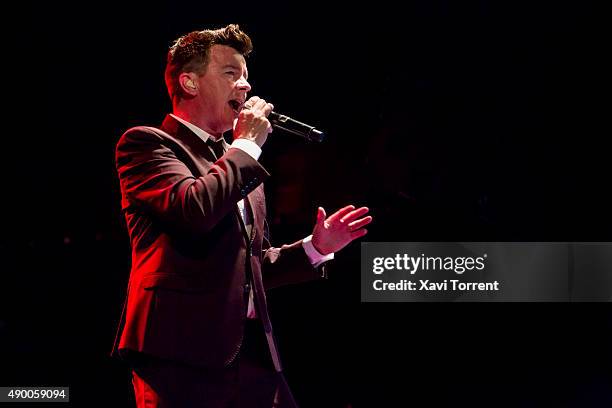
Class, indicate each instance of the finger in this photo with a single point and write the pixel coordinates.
(266, 125)
(254, 104)
(268, 108)
(341, 213)
(359, 233)
(321, 216)
(260, 105)
(355, 225)
(355, 214)
(251, 102)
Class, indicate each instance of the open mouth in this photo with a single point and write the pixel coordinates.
(236, 105)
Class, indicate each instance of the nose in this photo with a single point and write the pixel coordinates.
(244, 85)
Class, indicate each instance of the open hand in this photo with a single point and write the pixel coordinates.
(340, 229)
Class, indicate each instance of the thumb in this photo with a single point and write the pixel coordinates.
(321, 215)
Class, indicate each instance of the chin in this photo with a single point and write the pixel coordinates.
(230, 124)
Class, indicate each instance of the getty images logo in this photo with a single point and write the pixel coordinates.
(412, 264)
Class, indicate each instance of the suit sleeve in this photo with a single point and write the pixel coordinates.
(287, 264)
(154, 180)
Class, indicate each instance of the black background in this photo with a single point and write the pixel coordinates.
(480, 120)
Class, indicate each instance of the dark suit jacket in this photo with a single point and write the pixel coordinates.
(191, 257)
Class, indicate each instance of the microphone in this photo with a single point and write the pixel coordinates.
(287, 124)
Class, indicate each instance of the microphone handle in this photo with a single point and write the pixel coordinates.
(297, 128)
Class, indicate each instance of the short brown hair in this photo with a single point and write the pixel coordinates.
(190, 52)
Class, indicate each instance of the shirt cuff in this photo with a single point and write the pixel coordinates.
(248, 146)
(315, 257)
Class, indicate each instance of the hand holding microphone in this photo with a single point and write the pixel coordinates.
(283, 122)
(252, 123)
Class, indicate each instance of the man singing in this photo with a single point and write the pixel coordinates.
(195, 327)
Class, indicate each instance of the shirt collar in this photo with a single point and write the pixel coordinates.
(202, 134)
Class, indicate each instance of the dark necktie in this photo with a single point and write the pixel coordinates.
(216, 146)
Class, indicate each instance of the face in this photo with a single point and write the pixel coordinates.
(223, 88)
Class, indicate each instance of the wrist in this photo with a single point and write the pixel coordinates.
(318, 248)
(248, 146)
(315, 256)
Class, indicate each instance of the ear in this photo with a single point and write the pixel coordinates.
(189, 83)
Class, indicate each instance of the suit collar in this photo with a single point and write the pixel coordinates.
(202, 134)
(172, 126)
(174, 123)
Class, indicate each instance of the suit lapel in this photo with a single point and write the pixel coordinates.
(194, 143)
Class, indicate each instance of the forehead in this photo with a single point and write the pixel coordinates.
(221, 55)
